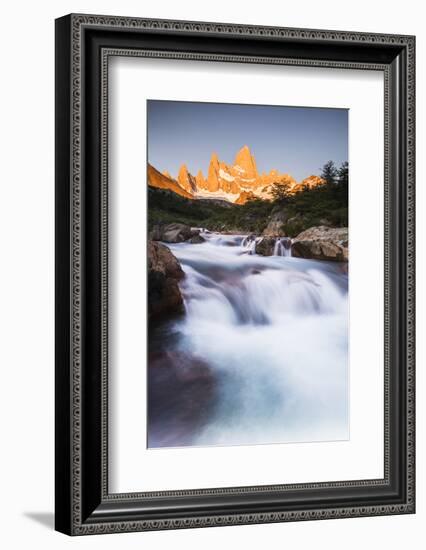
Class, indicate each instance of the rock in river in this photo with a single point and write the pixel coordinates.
(197, 239)
(322, 243)
(164, 272)
(173, 233)
(265, 246)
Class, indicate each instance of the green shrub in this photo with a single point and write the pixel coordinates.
(293, 228)
(309, 206)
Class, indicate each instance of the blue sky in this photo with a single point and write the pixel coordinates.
(294, 140)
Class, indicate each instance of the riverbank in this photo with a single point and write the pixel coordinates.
(317, 243)
(280, 217)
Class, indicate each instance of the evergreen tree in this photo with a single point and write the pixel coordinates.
(329, 173)
(281, 192)
(343, 174)
(343, 181)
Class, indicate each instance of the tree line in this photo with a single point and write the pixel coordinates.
(324, 203)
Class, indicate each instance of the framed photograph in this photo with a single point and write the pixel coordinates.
(234, 274)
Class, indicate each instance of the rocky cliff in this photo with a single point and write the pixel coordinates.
(162, 181)
(237, 182)
(186, 180)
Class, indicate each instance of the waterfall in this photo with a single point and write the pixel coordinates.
(282, 247)
(249, 243)
(271, 331)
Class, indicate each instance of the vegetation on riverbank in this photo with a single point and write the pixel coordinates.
(325, 204)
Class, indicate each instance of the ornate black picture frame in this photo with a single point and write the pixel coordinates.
(83, 45)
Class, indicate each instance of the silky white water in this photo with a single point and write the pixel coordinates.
(273, 335)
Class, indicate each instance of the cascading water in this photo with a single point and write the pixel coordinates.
(249, 243)
(282, 246)
(260, 355)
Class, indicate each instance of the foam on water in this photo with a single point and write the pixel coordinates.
(274, 332)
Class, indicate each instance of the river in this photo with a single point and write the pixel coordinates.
(260, 355)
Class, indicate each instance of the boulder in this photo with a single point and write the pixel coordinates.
(275, 224)
(164, 272)
(156, 233)
(265, 246)
(196, 239)
(172, 233)
(176, 233)
(322, 243)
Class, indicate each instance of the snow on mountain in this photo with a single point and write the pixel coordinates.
(236, 183)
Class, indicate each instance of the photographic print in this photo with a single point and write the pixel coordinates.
(248, 252)
(216, 251)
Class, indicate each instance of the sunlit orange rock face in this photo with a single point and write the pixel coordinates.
(310, 183)
(186, 180)
(245, 196)
(237, 182)
(159, 180)
(200, 181)
(213, 174)
(244, 161)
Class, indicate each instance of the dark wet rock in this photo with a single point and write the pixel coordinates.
(265, 246)
(181, 392)
(197, 239)
(164, 272)
(156, 233)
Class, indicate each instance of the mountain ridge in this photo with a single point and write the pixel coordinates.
(236, 183)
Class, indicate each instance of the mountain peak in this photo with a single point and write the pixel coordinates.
(245, 160)
(213, 174)
(214, 159)
(161, 181)
(200, 180)
(244, 152)
(183, 169)
(238, 182)
(185, 179)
